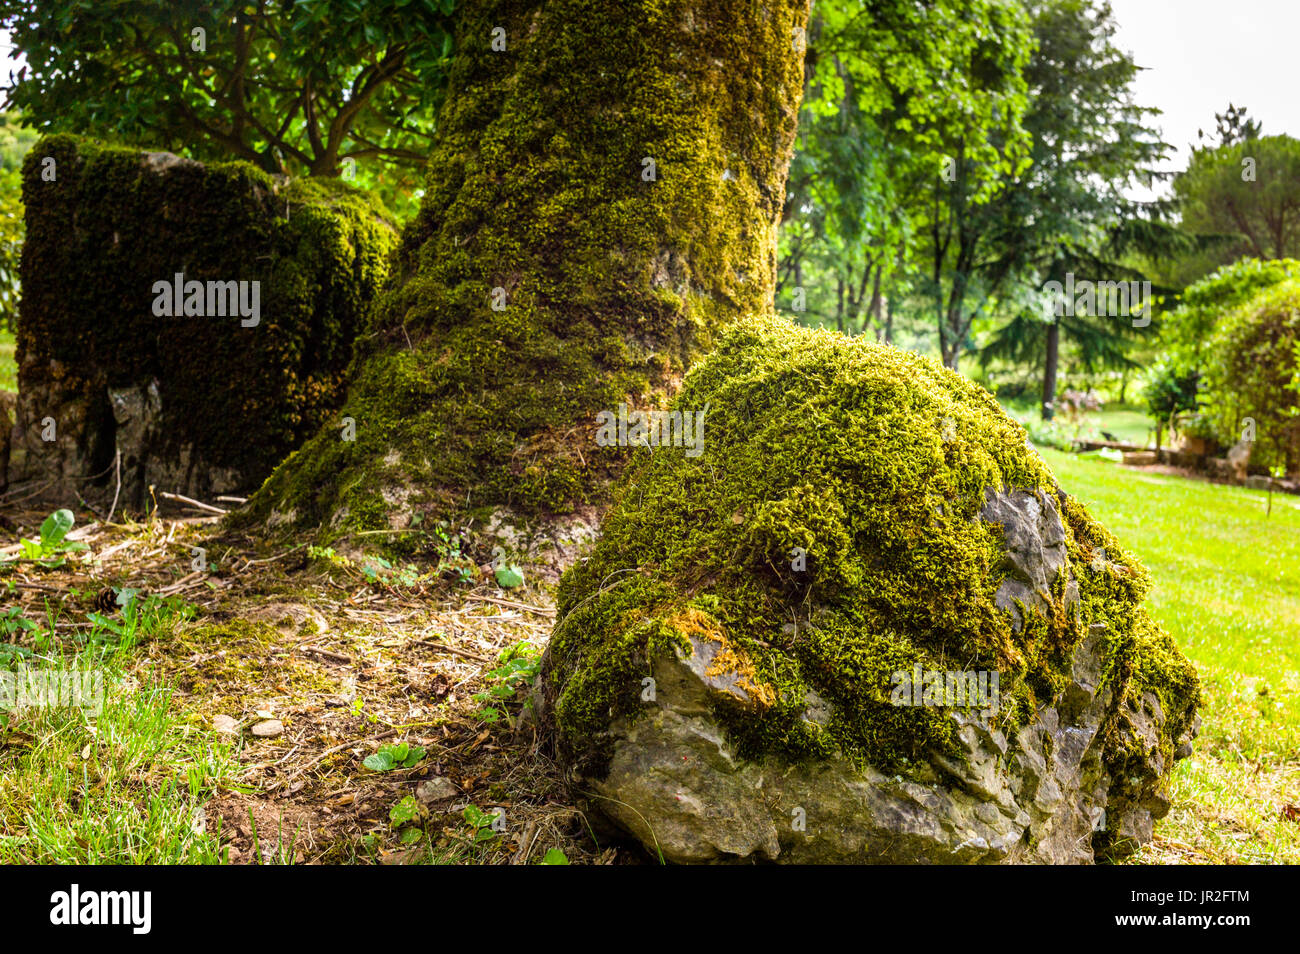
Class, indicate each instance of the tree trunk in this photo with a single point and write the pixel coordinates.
(874, 309)
(1049, 369)
(602, 199)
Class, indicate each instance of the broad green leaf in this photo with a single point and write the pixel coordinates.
(509, 576)
(381, 761)
(407, 810)
(56, 527)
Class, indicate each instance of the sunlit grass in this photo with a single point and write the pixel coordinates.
(1227, 586)
(126, 785)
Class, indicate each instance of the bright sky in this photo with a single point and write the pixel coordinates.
(1202, 54)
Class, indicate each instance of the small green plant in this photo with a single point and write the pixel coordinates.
(51, 548)
(379, 570)
(554, 857)
(407, 812)
(481, 823)
(509, 576)
(517, 668)
(389, 757)
(141, 618)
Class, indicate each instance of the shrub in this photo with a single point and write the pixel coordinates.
(1251, 376)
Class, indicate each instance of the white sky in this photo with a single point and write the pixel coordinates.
(1202, 54)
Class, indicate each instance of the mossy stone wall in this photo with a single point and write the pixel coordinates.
(196, 404)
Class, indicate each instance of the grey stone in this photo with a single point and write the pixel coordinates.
(436, 789)
(675, 782)
(1035, 549)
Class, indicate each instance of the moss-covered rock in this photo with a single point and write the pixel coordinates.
(602, 198)
(198, 403)
(752, 620)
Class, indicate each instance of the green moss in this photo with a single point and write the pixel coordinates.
(613, 284)
(875, 462)
(107, 228)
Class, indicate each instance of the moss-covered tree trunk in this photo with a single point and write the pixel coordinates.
(603, 198)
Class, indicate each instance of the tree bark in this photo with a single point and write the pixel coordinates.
(601, 200)
(1049, 369)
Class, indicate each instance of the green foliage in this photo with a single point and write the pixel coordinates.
(509, 576)
(1251, 374)
(389, 757)
(15, 141)
(291, 87)
(1169, 393)
(1185, 332)
(49, 548)
(876, 127)
(480, 823)
(517, 667)
(554, 856)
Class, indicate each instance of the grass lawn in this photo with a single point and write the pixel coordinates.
(1227, 585)
(1127, 422)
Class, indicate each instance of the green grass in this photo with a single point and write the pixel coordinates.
(1127, 422)
(124, 786)
(1227, 586)
(8, 364)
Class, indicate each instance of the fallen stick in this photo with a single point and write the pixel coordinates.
(539, 610)
(192, 502)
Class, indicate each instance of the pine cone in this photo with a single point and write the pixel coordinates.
(106, 600)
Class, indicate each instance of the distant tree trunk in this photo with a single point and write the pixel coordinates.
(1049, 369)
(874, 309)
(889, 320)
(602, 199)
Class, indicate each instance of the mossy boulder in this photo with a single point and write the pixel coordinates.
(757, 658)
(199, 403)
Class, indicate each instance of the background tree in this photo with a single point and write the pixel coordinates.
(14, 143)
(294, 87)
(1057, 212)
(1249, 190)
(890, 86)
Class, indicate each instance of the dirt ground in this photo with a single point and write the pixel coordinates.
(328, 663)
